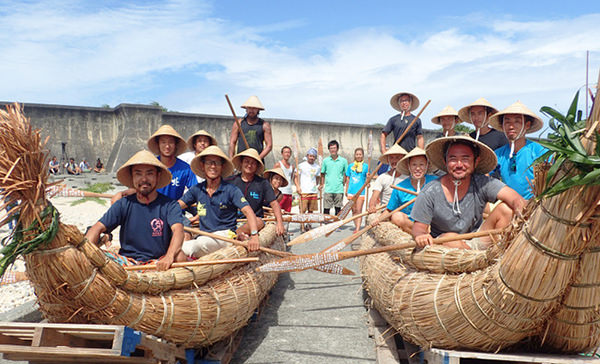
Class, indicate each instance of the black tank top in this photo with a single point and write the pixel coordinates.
(255, 136)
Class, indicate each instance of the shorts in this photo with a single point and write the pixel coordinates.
(204, 245)
(476, 244)
(333, 200)
(309, 202)
(286, 203)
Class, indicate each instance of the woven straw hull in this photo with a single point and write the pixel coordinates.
(541, 282)
(194, 307)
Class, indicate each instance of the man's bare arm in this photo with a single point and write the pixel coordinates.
(268, 140)
(175, 244)
(233, 139)
(382, 139)
(93, 234)
(420, 141)
(512, 199)
(420, 233)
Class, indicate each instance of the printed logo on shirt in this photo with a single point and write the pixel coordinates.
(243, 199)
(175, 182)
(254, 195)
(222, 206)
(157, 227)
(201, 209)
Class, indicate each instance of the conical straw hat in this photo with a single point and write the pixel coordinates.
(396, 105)
(395, 149)
(190, 141)
(279, 172)
(252, 153)
(166, 130)
(253, 101)
(143, 157)
(196, 163)
(517, 108)
(435, 153)
(463, 113)
(447, 111)
(402, 166)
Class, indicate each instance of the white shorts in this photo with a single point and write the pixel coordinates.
(204, 245)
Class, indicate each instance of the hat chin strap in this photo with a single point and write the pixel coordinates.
(454, 124)
(455, 202)
(512, 142)
(482, 124)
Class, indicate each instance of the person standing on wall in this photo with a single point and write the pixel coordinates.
(256, 130)
(405, 103)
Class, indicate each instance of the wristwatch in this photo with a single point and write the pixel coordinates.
(254, 232)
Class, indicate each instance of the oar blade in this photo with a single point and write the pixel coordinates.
(299, 263)
(315, 233)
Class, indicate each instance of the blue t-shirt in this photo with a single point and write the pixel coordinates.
(399, 198)
(182, 177)
(145, 229)
(356, 180)
(219, 211)
(518, 171)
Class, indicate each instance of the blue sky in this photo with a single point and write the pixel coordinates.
(314, 60)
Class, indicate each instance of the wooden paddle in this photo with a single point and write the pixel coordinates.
(307, 261)
(194, 263)
(369, 156)
(64, 191)
(320, 155)
(13, 277)
(322, 230)
(404, 190)
(309, 218)
(329, 268)
(237, 122)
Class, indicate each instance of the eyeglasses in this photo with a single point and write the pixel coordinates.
(512, 167)
(213, 163)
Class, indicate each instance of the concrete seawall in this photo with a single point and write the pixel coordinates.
(114, 134)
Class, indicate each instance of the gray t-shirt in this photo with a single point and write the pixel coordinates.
(432, 208)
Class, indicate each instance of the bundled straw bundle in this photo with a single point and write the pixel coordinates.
(75, 282)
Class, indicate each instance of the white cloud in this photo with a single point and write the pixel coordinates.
(57, 52)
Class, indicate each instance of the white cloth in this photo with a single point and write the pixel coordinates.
(204, 245)
(187, 158)
(287, 190)
(383, 184)
(308, 176)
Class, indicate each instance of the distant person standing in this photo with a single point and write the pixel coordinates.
(307, 179)
(479, 114)
(256, 130)
(288, 171)
(334, 175)
(405, 103)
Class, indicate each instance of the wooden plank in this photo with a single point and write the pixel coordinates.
(439, 356)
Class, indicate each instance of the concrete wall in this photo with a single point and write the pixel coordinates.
(115, 134)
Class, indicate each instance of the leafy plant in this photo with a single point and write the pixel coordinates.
(568, 153)
(96, 187)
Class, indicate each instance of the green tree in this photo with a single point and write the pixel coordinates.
(156, 103)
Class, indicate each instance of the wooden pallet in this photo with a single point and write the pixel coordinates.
(75, 343)
(439, 356)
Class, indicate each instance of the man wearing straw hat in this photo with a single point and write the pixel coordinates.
(405, 103)
(454, 203)
(515, 159)
(382, 187)
(151, 223)
(447, 119)
(257, 190)
(256, 130)
(417, 166)
(196, 143)
(217, 203)
(479, 113)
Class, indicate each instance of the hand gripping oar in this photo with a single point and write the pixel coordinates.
(330, 268)
(195, 263)
(322, 230)
(307, 261)
(237, 122)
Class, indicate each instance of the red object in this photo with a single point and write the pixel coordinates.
(286, 203)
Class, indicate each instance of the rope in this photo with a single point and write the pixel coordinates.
(120, 316)
(216, 297)
(563, 221)
(501, 276)
(165, 309)
(198, 318)
(108, 304)
(52, 251)
(87, 284)
(437, 314)
(141, 314)
(545, 249)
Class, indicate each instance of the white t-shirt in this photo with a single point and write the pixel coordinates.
(187, 158)
(287, 190)
(308, 176)
(383, 183)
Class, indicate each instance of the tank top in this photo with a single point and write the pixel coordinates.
(287, 190)
(255, 136)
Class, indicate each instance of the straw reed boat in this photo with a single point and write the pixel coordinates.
(540, 284)
(76, 283)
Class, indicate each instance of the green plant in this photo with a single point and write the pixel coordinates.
(568, 153)
(96, 187)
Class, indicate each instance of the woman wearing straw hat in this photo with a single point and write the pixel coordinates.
(417, 166)
(256, 130)
(404, 102)
(217, 202)
(515, 160)
(454, 203)
(256, 189)
(447, 119)
(382, 189)
(478, 113)
(196, 143)
(151, 223)
(277, 179)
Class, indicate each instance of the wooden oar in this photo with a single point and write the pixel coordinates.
(307, 261)
(405, 190)
(329, 268)
(412, 123)
(309, 218)
(369, 156)
(13, 277)
(320, 155)
(237, 122)
(322, 230)
(194, 263)
(64, 191)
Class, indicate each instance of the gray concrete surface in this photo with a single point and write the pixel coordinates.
(311, 317)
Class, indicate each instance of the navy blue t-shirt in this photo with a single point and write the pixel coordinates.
(218, 212)
(257, 192)
(145, 229)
